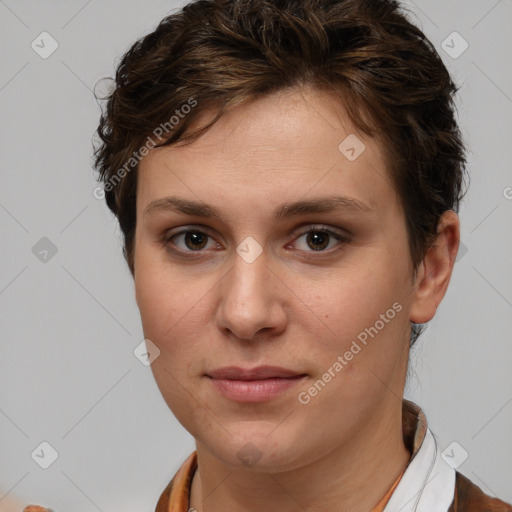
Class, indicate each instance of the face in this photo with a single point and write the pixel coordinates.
(298, 259)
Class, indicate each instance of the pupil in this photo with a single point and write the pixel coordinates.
(316, 237)
(196, 239)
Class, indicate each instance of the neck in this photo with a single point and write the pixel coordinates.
(354, 476)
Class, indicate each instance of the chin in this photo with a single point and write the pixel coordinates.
(260, 453)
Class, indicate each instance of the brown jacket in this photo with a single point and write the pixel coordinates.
(470, 498)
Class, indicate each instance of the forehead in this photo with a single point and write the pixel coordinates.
(282, 147)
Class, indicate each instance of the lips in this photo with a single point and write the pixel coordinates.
(254, 384)
(257, 373)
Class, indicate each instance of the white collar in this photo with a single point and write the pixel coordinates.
(428, 483)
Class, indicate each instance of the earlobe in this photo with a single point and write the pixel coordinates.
(436, 269)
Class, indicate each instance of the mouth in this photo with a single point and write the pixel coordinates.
(254, 385)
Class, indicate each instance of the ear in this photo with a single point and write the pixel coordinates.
(435, 271)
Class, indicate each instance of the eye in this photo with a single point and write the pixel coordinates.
(189, 240)
(316, 239)
(319, 238)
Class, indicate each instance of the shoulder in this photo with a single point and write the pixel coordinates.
(469, 497)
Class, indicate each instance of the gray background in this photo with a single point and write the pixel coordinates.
(70, 324)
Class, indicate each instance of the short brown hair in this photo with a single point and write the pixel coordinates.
(222, 53)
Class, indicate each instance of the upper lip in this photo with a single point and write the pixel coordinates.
(257, 373)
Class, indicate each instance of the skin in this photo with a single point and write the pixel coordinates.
(294, 306)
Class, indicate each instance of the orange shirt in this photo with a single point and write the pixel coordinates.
(384, 501)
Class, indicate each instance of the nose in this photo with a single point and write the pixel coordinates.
(252, 301)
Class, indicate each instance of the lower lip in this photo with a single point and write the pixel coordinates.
(254, 390)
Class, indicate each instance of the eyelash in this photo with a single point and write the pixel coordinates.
(166, 240)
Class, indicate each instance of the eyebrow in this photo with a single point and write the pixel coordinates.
(287, 210)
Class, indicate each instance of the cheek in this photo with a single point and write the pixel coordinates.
(172, 307)
(353, 298)
(159, 293)
(358, 313)
(154, 301)
(167, 306)
(170, 321)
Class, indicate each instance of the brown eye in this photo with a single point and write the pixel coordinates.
(188, 240)
(195, 240)
(317, 240)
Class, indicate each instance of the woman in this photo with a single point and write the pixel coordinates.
(286, 175)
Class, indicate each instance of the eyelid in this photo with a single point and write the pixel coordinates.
(306, 228)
